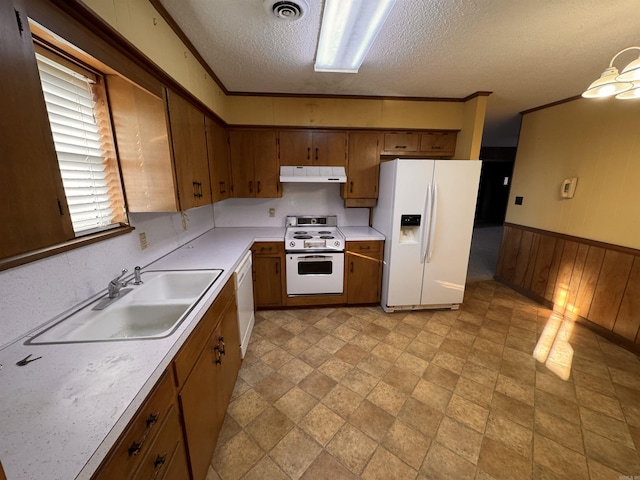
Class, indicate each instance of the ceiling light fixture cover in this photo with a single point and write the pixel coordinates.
(613, 83)
(286, 9)
(349, 28)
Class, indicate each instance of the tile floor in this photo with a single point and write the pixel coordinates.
(353, 393)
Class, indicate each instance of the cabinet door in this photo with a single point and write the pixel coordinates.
(202, 407)
(265, 164)
(189, 151)
(294, 147)
(242, 171)
(267, 278)
(364, 270)
(438, 143)
(364, 165)
(399, 143)
(218, 152)
(329, 148)
(33, 206)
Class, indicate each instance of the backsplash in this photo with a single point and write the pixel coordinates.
(34, 293)
(297, 199)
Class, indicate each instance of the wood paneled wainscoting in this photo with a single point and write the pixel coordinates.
(594, 282)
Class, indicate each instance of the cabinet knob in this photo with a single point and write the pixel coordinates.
(159, 461)
(350, 187)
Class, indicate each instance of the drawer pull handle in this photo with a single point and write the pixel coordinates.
(222, 349)
(136, 446)
(400, 146)
(218, 356)
(159, 461)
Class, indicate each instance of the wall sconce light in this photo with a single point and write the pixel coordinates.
(625, 85)
(349, 28)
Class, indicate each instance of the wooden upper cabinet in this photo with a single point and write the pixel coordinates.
(415, 144)
(308, 147)
(438, 143)
(189, 142)
(33, 207)
(140, 127)
(218, 152)
(254, 163)
(364, 166)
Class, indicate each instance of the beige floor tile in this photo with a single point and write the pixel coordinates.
(312, 335)
(406, 329)
(474, 392)
(484, 359)
(625, 378)
(384, 465)
(247, 407)
(561, 460)
(412, 363)
(235, 458)
(611, 454)
(229, 429)
(559, 430)
(317, 384)
(371, 420)
(327, 325)
(296, 346)
(487, 346)
(321, 423)
(266, 469)
(479, 374)
(443, 464)
(406, 443)
(375, 366)
(314, 356)
(455, 348)
(550, 383)
(606, 426)
(441, 377)
(421, 350)
(359, 381)
(269, 427)
(364, 341)
(463, 333)
(255, 373)
(448, 361)
(276, 358)
(344, 333)
(342, 400)
(602, 403)
(515, 389)
(351, 354)
(387, 397)
(375, 331)
(352, 447)
(556, 406)
(514, 436)
(501, 462)
(401, 379)
(593, 383)
(295, 404)
(295, 370)
(421, 417)
(335, 368)
(460, 439)
(512, 409)
(326, 467)
(432, 395)
(597, 471)
(467, 413)
(396, 340)
(522, 373)
(430, 338)
(273, 387)
(295, 452)
(386, 352)
(331, 344)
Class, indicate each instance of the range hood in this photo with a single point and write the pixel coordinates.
(313, 174)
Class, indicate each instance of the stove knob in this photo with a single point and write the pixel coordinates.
(337, 243)
(292, 244)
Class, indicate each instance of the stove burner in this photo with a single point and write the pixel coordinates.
(302, 237)
(324, 232)
(300, 232)
(327, 237)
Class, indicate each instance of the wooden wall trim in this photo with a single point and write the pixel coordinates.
(571, 238)
(595, 282)
(552, 104)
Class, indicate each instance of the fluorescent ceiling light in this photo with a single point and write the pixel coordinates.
(349, 28)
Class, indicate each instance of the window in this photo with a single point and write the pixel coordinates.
(81, 128)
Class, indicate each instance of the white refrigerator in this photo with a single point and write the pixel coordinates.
(425, 210)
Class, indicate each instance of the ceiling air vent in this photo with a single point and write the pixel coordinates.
(287, 9)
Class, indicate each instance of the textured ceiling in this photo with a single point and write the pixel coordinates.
(528, 53)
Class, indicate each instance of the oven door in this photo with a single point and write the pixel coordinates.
(315, 273)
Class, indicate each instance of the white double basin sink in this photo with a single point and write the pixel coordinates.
(154, 309)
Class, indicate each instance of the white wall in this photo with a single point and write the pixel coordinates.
(297, 199)
(32, 294)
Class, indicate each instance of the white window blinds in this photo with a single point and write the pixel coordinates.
(82, 138)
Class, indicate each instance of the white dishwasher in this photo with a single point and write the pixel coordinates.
(244, 300)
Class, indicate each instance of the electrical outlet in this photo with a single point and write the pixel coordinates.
(143, 241)
(272, 212)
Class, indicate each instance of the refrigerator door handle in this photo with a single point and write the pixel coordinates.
(424, 234)
(432, 220)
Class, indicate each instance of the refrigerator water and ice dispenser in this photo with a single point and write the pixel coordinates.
(410, 228)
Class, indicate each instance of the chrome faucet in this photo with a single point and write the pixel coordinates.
(137, 276)
(115, 285)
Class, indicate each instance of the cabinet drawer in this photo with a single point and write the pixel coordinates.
(365, 247)
(268, 248)
(141, 432)
(162, 451)
(190, 351)
(401, 142)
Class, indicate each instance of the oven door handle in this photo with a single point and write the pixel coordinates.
(312, 257)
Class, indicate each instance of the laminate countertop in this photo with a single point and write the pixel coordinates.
(61, 414)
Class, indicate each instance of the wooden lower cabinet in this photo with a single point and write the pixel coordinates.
(269, 288)
(364, 271)
(174, 433)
